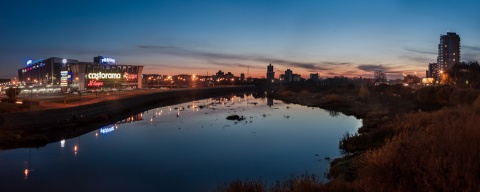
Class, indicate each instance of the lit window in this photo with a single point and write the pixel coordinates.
(453, 59)
(445, 45)
(453, 53)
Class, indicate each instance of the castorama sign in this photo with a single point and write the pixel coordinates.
(101, 75)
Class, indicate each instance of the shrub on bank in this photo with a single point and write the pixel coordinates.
(331, 98)
(364, 93)
(436, 151)
(303, 183)
(476, 105)
(8, 100)
(30, 102)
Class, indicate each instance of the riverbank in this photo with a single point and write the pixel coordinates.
(425, 140)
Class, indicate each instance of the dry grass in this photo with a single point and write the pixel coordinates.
(436, 151)
(364, 93)
(331, 98)
(286, 93)
(303, 183)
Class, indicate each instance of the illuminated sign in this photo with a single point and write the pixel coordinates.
(31, 62)
(107, 129)
(108, 60)
(93, 83)
(64, 78)
(101, 75)
(130, 76)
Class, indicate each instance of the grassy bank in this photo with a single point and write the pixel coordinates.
(424, 140)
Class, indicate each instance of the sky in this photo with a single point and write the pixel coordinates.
(338, 37)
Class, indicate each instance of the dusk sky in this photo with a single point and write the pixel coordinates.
(341, 37)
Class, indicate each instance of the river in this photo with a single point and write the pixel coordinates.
(185, 147)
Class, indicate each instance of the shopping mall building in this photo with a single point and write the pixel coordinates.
(102, 73)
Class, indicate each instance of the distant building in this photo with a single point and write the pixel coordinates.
(229, 75)
(220, 74)
(102, 73)
(296, 77)
(380, 77)
(288, 76)
(242, 76)
(314, 77)
(432, 70)
(448, 52)
(270, 73)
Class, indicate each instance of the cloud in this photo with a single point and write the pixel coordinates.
(308, 66)
(240, 65)
(470, 57)
(472, 48)
(336, 63)
(420, 51)
(371, 68)
(156, 47)
(215, 57)
(419, 59)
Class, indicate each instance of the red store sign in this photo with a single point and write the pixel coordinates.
(94, 83)
(130, 76)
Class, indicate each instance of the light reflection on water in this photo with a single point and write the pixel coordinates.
(185, 147)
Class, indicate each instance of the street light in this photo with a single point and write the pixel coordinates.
(64, 61)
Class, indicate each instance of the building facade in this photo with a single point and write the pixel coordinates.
(103, 73)
(270, 73)
(448, 52)
(432, 70)
(314, 77)
(288, 76)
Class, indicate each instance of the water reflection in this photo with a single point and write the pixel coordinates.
(189, 147)
(333, 113)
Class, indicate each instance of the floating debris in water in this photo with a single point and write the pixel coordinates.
(236, 117)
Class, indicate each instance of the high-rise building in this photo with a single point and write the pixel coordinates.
(288, 76)
(270, 73)
(448, 52)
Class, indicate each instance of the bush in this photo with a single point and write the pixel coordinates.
(476, 104)
(331, 98)
(382, 88)
(8, 100)
(364, 93)
(435, 151)
(30, 102)
(443, 95)
(463, 96)
(287, 93)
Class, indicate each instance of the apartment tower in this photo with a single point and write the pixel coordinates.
(448, 52)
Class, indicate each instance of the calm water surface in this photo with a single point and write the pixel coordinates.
(185, 147)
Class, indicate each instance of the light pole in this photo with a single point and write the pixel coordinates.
(64, 61)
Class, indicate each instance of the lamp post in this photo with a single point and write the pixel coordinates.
(64, 61)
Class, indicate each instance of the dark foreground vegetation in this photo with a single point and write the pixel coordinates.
(423, 140)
